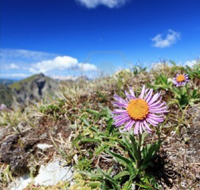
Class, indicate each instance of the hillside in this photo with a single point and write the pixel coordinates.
(34, 88)
(80, 139)
(7, 96)
(40, 79)
(29, 90)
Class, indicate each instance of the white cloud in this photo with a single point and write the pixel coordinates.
(61, 63)
(87, 67)
(21, 59)
(15, 75)
(191, 63)
(108, 3)
(58, 63)
(12, 66)
(25, 54)
(171, 38)
(32, 62)
(60, 77)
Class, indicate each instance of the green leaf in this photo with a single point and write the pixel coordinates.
(85, 140)
(127, 185)
(121, 174)
(125, 161)
(101, 148)
(148, 153)
(94, 184)
(93, 129)
(94, 176)
(92, 111)
(145, 186)
(110, 127)
(86, 122)
(113, 182)
(135, 148)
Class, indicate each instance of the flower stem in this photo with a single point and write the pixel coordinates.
(139, 151)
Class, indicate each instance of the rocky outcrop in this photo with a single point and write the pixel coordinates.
(39, 87)
(28, 91)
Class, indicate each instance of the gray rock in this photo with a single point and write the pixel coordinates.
(51, 174)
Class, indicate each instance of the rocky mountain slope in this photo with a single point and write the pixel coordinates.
(27, 91)
(7, 96)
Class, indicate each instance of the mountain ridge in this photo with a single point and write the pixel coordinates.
(22, 93)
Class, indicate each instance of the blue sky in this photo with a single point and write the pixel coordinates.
(64, 38)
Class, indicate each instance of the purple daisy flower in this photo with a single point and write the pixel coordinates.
(2, 107)
(139, 112)
(180, 79)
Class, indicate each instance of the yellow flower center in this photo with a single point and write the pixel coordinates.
(180, 78)
(138, 109)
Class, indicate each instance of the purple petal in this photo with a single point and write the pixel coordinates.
(149, 95)
(158, 110)
(147, 127)
(156, 106)
(142, 93)
(154, 98)
(119, 99)
(156, 103)
(132, 93)
(156, 118)
(121, 116)
(118, 111)
(120, 122)
(175, 82)
(129, 96)
(120, 104)
(152, 122)
(128, 126)
(136, 128)
(140, 127)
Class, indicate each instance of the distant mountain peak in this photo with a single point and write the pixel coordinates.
(41, 75)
